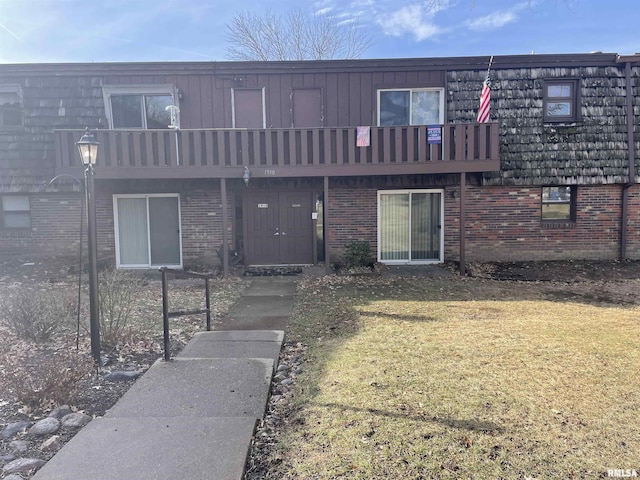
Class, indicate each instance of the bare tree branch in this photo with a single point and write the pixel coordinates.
(296, 36)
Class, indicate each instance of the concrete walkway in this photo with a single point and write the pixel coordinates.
(193, 417)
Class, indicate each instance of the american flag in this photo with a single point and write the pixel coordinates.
(485, 102)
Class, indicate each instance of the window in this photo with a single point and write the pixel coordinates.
(10, 107)
(560, 100)
(139, 106)
(147, 230)
(411, 106)
(16, 211)
(559, 204)
(410, 226)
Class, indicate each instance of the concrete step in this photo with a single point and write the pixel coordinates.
(235, 344)
(151, 448)
(187, 387)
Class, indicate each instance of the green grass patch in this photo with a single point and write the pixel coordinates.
(415, 378)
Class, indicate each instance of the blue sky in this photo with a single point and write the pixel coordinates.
(185, 30)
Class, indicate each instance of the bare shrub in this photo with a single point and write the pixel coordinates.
(40, 378)
(118, 291)
(36, 315)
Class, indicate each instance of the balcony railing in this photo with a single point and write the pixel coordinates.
(284, 152)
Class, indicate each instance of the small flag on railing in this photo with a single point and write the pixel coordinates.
(363, 138)
(485, 98)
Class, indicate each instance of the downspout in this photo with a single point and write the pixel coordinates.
(463, 223)
(225, 227)
(326, 222)
(632, 163)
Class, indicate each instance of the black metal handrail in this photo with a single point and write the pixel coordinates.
(166, 314)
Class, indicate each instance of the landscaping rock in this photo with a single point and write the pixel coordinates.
(19, 446)
(22, 465)
(52, 444)
(122, 376)
(75, 420)
(14, 428)
(60, 412)
(45, 426)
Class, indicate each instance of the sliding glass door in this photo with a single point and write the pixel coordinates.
(147, 229)
(410, 226)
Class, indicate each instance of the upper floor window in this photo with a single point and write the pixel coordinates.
(10, 106)
(411, 106)
(559, 204)
(560, 100)
(15, 211)
(142, 106)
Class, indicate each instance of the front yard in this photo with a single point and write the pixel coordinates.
(460, 378)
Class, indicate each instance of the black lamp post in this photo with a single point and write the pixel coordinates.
(88, 148)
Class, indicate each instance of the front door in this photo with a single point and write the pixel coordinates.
(410, 226)
(278, 228)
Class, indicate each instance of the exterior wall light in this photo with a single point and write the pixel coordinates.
(246, 176)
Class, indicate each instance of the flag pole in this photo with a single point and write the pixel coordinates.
(489, 68)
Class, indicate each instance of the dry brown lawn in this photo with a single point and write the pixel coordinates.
(415, 378)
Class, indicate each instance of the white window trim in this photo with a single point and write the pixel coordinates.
(410, 90)
(233, 106)
(5, 210)
(108, 90)
(117, 231)
(411, 262)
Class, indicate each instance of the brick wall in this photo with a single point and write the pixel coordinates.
(633, 224)
(55, 221)
(353, 217)
(503, 223)
(200, 215)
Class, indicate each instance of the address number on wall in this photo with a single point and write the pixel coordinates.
(271, 172)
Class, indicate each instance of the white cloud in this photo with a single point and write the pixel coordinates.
(323, 11)
(500, 18)
(492, 21)
(415, 20)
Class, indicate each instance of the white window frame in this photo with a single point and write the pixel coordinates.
(379, 222)
(411, 90)
(146, 196)
(233, 106)
(4, 210)
(109, 90)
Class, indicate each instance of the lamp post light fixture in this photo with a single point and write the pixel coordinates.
(88, 149)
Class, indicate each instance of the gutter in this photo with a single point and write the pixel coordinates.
(628, 60)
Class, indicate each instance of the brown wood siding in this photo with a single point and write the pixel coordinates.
(594, 150)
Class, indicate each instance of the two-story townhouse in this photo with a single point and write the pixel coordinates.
(290, 161)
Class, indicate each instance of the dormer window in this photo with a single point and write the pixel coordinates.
(10, 107)
(139, 107)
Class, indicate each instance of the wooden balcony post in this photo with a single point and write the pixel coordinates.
(463, 226)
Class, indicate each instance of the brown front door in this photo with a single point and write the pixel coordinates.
(278, 228)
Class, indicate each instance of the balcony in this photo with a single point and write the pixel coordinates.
(223, 153)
